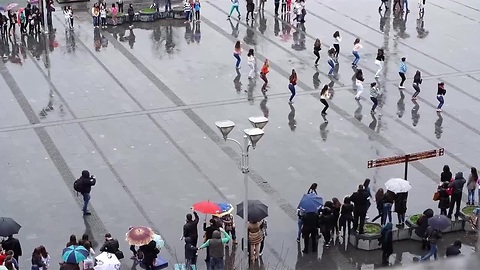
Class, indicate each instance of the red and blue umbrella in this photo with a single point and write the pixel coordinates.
(74, 254)
(208, 207)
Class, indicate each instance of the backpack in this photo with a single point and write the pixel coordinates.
(78, 185)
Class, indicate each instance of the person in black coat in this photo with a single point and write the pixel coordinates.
(401, 207)
(310, 231)
(208, 234)
(111, 245)
(190, 253)
(386, 241)
(12, 244)
(190, 228)
(444, 200)
(422, 224)
(346, 216)
(446, 175)
(150, 252)
(454, 249)
(327, 223)
(360, 203)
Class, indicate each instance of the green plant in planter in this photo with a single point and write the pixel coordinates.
(119, 14)
(468, 210)
(372, 228)
(148, 10)
(413, 219)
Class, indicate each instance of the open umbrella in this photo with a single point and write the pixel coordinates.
(11, 6)
(225, 209)
(398, 185)
(8, 226)
(310, 203)
(256, 210)
(139, 236)
(74, 254)
(439, 222)
(207, 207)
(159, 241)
(107, 261)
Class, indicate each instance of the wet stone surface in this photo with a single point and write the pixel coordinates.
(136, 106)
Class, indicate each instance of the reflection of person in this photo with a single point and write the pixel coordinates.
(438, 126)
(415, 114)
(292, 123)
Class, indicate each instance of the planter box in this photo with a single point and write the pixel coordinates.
(402, 233)
(146, 17)
(367, 241)
(457, 225)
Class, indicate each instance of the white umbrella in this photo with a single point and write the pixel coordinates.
(398, 185)
(107, 261)
(158, 239)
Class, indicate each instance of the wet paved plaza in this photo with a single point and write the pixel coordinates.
(137, 108)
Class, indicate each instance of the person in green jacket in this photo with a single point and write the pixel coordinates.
(216, 247)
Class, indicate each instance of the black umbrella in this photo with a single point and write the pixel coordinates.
(8, 226)
(256, 210)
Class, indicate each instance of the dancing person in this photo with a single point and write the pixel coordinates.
(324, 95)
(317, 46)
(251, 63)
(237, 52)
(356, 47)
(331, 62)
(291, 86)
(441, 92)
(358, 83)
(379, 60)
(374, 94)
(234, 7)
(336, 42)
(263, 74)
(417, 80)
(402, 70)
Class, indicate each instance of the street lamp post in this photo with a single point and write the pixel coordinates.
(250, 138)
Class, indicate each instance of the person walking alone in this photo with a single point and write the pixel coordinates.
(433, 235)
(402, 71)
(441, 92)
(336, 42)
(250, 9)
(379, 60)
(317, 46)
(374, 94)
(251, 63)
(84, 186)
(417, 80)
(237, 51)
(356, 47)
(324, 95)
(291, 86)
(263, 74)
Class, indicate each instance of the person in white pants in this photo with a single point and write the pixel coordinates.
(358, 83)
(251, 63)
(379, 62)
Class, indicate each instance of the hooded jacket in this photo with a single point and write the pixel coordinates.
(87, 181)
(458, 183)
(190, 250)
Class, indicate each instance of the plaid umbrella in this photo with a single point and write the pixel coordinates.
(74, 254)
(139, 236)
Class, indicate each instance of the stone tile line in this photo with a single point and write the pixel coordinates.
(364, 40)
(93, 222)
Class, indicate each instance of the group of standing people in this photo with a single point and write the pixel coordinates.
(99, 13)
(217, 233)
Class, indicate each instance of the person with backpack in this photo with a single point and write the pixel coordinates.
(432, 235)
(83, 185)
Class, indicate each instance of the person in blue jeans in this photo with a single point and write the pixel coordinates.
(86, 183)
(331, 61)
(441, 92)
(433, 235)
(405, 6)
(237, 51)
(216, 246)
(291, 85)
(388, 200)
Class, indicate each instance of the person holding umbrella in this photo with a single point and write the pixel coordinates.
(432, 235)
(255, 238)
(12, 243)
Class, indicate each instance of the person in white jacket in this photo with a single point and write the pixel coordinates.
(251, 63)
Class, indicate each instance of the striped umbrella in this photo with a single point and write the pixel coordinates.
(74, 254)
